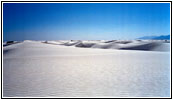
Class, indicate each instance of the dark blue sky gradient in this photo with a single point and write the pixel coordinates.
(84, 21)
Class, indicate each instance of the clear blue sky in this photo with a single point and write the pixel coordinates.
(84, 21)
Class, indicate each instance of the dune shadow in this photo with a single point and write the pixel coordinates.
(10, 43)
(85, 45)
(145, 47)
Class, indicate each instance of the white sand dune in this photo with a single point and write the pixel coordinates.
(147, 45)
(36, 69)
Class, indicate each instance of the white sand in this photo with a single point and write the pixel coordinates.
(35, 69)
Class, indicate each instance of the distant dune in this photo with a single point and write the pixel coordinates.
(147, 45)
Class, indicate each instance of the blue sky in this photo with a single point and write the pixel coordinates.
(84, 21)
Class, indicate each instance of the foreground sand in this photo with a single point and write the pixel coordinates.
(35, 69)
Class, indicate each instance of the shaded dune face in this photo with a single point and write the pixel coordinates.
(110, 41)
(147, 47)
(123, 42)
(72, 43)
(10, 43)
(85, 45)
